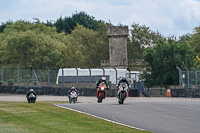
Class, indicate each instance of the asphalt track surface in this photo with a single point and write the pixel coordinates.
(159, 117)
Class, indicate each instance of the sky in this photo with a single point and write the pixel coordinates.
(169, 17)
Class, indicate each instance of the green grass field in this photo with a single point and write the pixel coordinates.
(44, 117)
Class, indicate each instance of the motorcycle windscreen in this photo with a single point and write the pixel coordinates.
(73, 94)
(123, 84)
(103, 83)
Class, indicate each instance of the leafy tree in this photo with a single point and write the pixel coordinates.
(194, 41)
(85, 48)
(25, 43)
(3, 25)
(68, 24)
(197, 62)
(185, 38)
(50, 23)
(141, 37)
(60, 25)
(162, 60)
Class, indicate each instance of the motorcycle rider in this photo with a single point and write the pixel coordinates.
(29, 92)
(123, 79)
(103, 79)
(72, 89)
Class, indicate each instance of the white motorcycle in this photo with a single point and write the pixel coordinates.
(122, 92)
(73, 97)
(31, 98)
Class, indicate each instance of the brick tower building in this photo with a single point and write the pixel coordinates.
(117, 47)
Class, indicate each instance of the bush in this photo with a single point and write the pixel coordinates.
(10, 82)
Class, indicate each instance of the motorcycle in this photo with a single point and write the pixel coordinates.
(101, 92)
(31, 98)
(122, 92)
(73, 97)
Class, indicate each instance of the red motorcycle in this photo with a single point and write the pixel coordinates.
(101, 92)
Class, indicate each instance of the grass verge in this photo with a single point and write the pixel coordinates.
(43, 117)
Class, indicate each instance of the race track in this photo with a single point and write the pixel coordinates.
(156, 114)
(159, 117)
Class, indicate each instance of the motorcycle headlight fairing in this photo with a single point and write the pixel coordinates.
(102, 88)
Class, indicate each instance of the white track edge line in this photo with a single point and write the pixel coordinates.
(100, 117)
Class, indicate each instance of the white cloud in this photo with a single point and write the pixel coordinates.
(167, 16)
(191, 9)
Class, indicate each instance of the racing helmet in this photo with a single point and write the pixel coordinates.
(31, 90)
(73, 88)
(103, 79)
(123, 78)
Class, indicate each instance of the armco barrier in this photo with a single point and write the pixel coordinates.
(193, 93)
(133, 93)
(60, 91)
(89, 92)
(52, 91)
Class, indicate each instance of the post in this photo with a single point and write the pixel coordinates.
(180, 77)
(32, 68)
(17, 74)
(116, 74)
(195, 76)
(48, 76)
(103, 71)
(76, 77)
(62, 77)
(90, 76)
(188, 82)
(129, 73)
(1, 76)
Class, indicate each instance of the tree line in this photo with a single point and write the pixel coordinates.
(81, 41)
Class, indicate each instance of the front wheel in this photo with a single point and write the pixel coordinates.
(121, 98)
(100, 98)
(74, 100)
(31, 101)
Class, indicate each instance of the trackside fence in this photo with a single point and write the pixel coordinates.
(53, 78)
(27, 77)
(189, 78)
